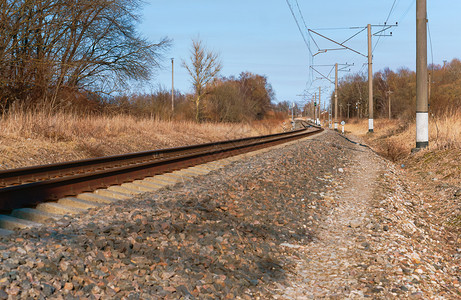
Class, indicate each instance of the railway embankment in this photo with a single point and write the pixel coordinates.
(319, 217)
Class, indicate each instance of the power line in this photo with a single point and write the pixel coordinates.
(387, 19)
(337, 28)
(306, 41)
(302, 32)
(311, 58)
(363, 67)
(390, 12)
(364, 28)
(430, 42)
(301, 14)
(407, 11)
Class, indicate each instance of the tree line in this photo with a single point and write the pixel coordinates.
(244, 98)
(399, 89)
(81, 55)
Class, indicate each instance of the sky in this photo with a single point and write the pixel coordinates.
(261, 36)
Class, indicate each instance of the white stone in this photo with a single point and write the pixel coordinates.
(355, 223)
(290, 245)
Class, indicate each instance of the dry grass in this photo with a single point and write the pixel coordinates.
(391, 138)
(398, 137)
(38, 138)
(394, 140)
(445, 131)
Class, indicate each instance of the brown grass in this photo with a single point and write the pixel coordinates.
(39, 138)
(398, 137)
(445, 131)
(438, 165)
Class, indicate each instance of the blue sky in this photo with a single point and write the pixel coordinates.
(262, 37)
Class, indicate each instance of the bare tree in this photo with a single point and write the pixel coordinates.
(203, 68)
(50, 46)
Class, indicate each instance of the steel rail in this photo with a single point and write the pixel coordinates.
(50, 171)
(30, 194)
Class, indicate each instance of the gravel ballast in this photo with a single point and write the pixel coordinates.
(236, 233)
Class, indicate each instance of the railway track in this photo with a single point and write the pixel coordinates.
(34, 194)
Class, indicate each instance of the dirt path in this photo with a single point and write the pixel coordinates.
(328, 264)
(373, 244)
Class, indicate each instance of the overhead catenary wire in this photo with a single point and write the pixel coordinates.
(301, 14)
(311, 58)
(356, 34)
(306, 40)
(342, 44)
(303, 32)
(387, 20)
(430, 43)
(335, 42)
(412, 4)
(391, 11)
(312, 37)
(337, 28)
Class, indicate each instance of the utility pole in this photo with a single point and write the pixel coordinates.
(422, 115)
(334, 103)
(336, 96)
(348, 106)
(315, 109)
(370, 81)
(172, 84)
(320, 108)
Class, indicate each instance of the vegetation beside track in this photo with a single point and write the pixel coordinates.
(37, 138)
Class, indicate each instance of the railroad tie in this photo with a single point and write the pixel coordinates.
(78, 203)
(139, 187)
(172, 176)
(110, 194)
(12, 223)
(166, 179)
(124, 190)
(57, 208)
(201, 168)
(159, 181)
(150, 184)
(99, 198)
(34, 215)
(186, 173)
(195, 171)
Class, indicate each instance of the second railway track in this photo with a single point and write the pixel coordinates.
(28, 187)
